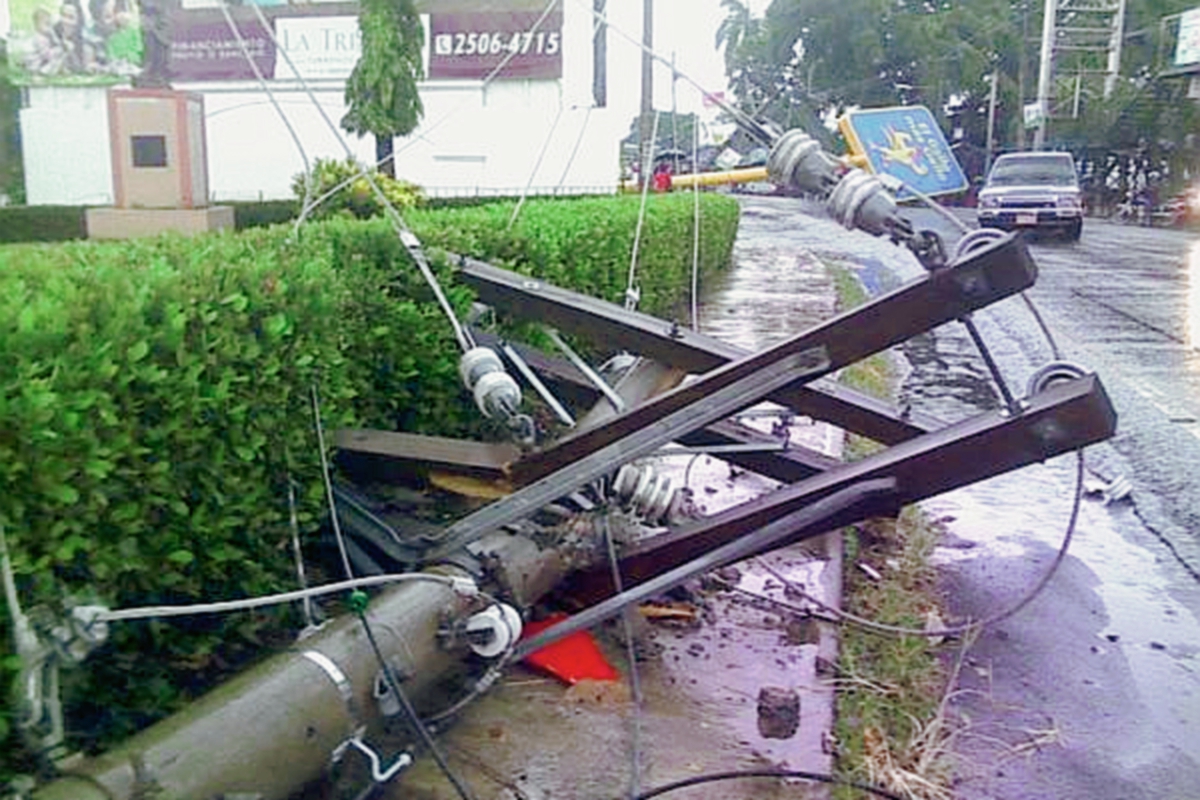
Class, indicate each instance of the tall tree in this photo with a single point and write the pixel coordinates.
(382, 91)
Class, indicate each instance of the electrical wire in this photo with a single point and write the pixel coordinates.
(388, 673)
(714, 777)
(461, 585)
(968, 627)
(536, 166)
(635, 683)
(1037, 316)
(575, 150)
(631, 296)
(405, 234)
(426, 130)
(294, 524)
(1029, 304)
(333, 515)
(237, 34)
(482, 685)
(746, 121)
(938, 207)
(389, 676)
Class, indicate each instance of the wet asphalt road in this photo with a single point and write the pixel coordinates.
(1093, 691)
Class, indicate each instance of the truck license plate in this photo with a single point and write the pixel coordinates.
(1027, 219)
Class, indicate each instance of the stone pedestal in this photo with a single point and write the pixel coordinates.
(128, 223)
(160, 167)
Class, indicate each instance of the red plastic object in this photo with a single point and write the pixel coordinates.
(572, 658)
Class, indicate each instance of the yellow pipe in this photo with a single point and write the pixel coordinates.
(747, 175)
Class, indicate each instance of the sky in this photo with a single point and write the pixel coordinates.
(687, 28)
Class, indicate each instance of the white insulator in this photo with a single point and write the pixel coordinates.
(501, 624)
(497, 394)
(626, 481)
(645, 492)
(639, 495)
(660, 499)
(477, 362)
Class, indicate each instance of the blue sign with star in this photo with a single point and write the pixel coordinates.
(906, 143)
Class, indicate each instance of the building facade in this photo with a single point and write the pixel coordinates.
(537, 122)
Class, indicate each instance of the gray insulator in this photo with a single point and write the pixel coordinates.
(1053, 373)
(797, 161)
(860, 200)
(976, 240)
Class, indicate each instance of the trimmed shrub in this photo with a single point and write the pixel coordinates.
(155, 399)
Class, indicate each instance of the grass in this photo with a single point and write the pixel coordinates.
(892, 729)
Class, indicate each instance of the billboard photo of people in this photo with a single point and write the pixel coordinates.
(74, 42)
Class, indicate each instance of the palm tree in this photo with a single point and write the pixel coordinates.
(738, 27)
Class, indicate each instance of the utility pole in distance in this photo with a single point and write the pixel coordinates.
(1045, 67)
(991, 122)
(647, 116)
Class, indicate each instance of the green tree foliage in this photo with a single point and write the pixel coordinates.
(826, 55)
(382, 90)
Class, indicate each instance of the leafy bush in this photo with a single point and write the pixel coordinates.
(356, 197)
(154, 400)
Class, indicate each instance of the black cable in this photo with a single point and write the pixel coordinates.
(713, 777)
(635, 682)
(410, 712)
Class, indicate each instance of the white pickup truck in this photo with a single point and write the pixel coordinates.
(1033, 191)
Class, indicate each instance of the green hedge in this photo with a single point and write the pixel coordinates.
(154, 398)
(586, 243)
(42, 223)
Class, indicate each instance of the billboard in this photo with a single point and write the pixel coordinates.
(906, 143)
(470, 46)
(1187, 48)
(77, 42)
(205, 49)
(80, 42)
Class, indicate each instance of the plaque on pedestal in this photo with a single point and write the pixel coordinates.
(160, 168)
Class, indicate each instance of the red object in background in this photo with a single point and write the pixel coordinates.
(572, 658)
(662, 181)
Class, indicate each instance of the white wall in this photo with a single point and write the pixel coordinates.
(64, 142)
(470, 137)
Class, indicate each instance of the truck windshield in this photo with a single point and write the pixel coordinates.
(1035, 171)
